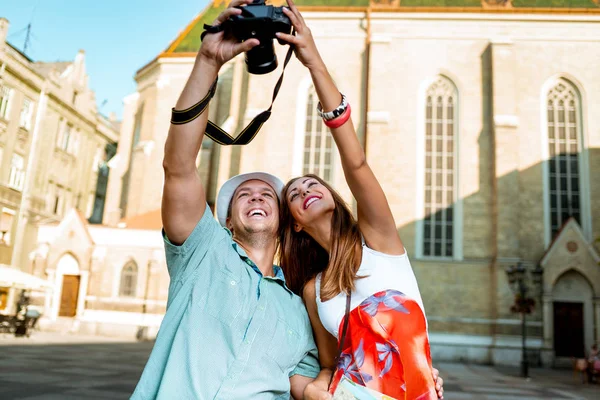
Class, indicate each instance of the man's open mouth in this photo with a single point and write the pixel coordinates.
(257, 212)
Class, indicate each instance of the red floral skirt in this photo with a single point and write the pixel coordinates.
(387, 348)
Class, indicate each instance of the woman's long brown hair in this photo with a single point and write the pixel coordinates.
(302, 257)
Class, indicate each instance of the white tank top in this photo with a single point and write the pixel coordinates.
(382, 272)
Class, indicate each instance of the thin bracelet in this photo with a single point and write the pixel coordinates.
(341, 120)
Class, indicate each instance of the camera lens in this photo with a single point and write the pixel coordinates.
(262, 59)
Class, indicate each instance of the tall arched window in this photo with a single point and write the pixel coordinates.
(127, 286)
(317, 142)
(440, 176)
(564, 154)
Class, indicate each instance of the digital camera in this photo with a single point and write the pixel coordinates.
(259, 21)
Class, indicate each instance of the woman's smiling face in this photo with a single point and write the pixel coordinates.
(308, 200)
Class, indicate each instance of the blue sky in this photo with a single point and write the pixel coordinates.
(119, 37)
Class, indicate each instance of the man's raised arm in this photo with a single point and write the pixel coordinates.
(184, 198)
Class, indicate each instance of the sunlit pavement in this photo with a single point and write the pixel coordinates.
(465, 381)
(67, 367)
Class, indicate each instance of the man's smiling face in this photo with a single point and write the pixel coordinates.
(254, 208)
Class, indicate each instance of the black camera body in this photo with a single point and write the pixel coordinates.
(262, 22)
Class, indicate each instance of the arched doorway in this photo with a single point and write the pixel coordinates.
(68, 278)
(573, 315)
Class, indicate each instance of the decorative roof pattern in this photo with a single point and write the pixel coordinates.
(189, 39)
(555, 3)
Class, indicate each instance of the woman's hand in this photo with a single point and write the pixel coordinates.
(318, 389)
(314, 391)
(304, 44)
(218, 48)
(439, 383)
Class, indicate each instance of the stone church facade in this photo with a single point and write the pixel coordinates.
(478, 118)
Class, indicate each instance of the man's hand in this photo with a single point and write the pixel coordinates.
(218, 48)
(439, 383)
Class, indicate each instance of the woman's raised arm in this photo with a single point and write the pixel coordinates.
(374, 215)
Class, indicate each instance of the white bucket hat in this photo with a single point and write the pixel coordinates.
(229, 187)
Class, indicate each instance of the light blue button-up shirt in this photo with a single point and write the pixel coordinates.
(229, 332)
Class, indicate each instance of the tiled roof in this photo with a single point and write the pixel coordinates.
(188, 40)
(149, 220)
(556, 3)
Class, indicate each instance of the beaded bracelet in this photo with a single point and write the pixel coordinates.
(328, 116)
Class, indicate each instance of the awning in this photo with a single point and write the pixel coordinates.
(12, 277)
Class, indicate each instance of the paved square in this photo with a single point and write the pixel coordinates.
(64, 367)
(465, 382)
(54, 366)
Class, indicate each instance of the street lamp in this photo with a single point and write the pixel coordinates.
(523, 281)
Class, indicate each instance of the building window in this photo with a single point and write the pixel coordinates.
(7, 217)
(64, 137)
(137, 130)
(90, 204)
(58, 202)
(73, 145)
(17, 172)
(5, 96)
(563, 148)
(126, 180)
(317, 142)
(97, 160)
(26, 114)
(128, 280)
(440, 179)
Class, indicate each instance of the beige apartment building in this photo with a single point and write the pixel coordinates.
(478, 118)
(52, 145)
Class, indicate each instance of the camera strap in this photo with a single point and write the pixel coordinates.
(211, 29)
(180, 117)
(220, 136)
(217, 134)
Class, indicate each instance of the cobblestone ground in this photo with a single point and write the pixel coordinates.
(66, 367)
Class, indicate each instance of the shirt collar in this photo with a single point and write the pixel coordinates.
(277, 271)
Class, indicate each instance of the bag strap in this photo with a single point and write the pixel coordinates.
(343, 339)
